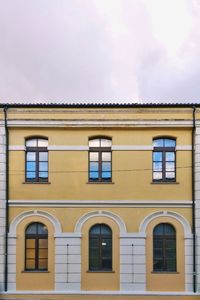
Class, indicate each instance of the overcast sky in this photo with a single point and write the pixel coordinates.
(100, 50)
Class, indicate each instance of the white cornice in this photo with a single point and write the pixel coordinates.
(100, 203)
(100, 123)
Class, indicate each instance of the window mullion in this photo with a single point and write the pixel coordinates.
(37, 165)
(100, 165)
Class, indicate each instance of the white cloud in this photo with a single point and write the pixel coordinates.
(99, 50)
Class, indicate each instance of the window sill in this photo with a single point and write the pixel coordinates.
(100, 271)
(165, 182)
(36, 182)
(164, 272)
(100, 182)
(35, 271)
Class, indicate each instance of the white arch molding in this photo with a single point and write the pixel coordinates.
(171, 214)
(17, 220)
(100, 213)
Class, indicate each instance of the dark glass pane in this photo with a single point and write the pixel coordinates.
(94, 156)
(94, 166)
(43, 166)
(43, 253)
(158, 142)
(31, 143)
(31, 229)
(158, 265)
(94, 263)
(171, 265)
(94, 143)
(106, 143)
(169, 143)
(107, 264)
(171, 253)
(157, 166)
(106, 246)
(169, 229)
(105, 230)
(106, 156)
(94, 242)
(158, 253)
(157, 175)
(157, 156)
(170, 156)
(106, 166)
(95, 229)
(30, 156)
(30, 243)
(30, 166)
(43, 156)
(43, 243)
(159, 229)
(42, 229)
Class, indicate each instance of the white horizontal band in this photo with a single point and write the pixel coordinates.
(101, 203)
(114, 148)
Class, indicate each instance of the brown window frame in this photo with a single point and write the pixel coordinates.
(100, 150)
(36, 237)
(37, 150)
(162, 239)
(100, 237)
(164, 150)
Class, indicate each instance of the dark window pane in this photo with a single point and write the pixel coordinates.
(107, 264)
(157, 156)
(95, 229)
(169, 229)
(158, 143)
(171, 265)
(32, 228)
(159, 229)
(30, 156)
(42, 264)
(42, 229)
(43, 156)
(158, 265)
(105, 230)
(30, 264)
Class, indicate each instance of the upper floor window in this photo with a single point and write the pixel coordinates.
(164, 159)
(36, 247)
(164, 248)
(36, 160)
(100, 248)
(100, 160)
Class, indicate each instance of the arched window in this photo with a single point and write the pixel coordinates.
(164, 248)
(37, 160)
(164, 159)
(100, 160)
(36, 247)
(100, 248)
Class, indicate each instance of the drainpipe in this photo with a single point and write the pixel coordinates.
(193, 199)
(7, 196)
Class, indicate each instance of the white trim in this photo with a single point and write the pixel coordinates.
(170, 214)
(100, 213)
(86, 148)
(76, 292)
(15, 222)
(99, 123)
(100, 203)
(67, 235)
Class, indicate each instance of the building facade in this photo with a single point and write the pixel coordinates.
(100, 200)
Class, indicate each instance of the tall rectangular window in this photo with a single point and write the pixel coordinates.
(164, 160)
(37, 160)
(100, 160)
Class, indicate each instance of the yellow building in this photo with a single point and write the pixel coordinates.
(99, 200)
